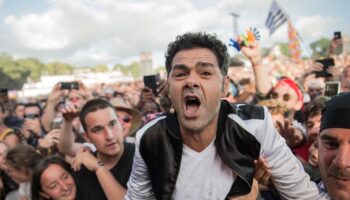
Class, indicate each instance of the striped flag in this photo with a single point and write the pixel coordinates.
(276, 17)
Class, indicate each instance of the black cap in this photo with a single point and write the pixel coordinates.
(337, 112)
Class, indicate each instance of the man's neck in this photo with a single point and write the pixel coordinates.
(110, 161)
(199, 140)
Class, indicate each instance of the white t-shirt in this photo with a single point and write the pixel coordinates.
(203, 175)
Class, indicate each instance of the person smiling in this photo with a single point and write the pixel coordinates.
(52, 179)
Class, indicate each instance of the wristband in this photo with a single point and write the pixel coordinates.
(98, 165)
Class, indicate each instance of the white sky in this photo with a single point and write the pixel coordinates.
(90, 32)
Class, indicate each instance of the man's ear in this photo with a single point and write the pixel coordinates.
(225, 86)
(86, 137)
(44, 195)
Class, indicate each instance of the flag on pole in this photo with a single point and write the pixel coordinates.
(276, 17)
(294, 44)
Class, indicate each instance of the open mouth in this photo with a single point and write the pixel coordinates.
(192, 104)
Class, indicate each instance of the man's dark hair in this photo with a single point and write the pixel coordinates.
(92, 106)
(23, 157)
(195, 40)
(315, 107)
(34, 105)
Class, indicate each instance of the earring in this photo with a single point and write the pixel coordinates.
(172, 109)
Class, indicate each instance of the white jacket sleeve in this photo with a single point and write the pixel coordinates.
(139, 184)
(287, 173)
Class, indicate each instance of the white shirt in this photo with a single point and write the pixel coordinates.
(203, 175)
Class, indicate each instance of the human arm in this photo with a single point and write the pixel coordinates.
(49, 111)
(253, 53)
(110, 186)
(287, 173)
(139, 184)
(66, 143)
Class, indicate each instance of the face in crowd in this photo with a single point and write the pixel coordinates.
(334, 161)
(104, 131)
(19, 111)
(313, 127)
(287, 96)
(196, 86)
(125, 120)
(75, 98)
(57, 184)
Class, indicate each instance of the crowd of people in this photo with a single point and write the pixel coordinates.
(212, 131)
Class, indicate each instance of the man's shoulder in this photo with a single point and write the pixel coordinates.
(248, 111)
(152, 128)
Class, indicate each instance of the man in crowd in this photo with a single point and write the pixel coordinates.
(104, 174)
(206, 148)
(334, 148)
(32, 128)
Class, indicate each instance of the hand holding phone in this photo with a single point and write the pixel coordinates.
(326, 63)
(151, 82)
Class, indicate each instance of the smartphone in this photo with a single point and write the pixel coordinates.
(337, 35)
(4, 95)
(69, 85)
(327, 62)
(151, 82)
(331, 88)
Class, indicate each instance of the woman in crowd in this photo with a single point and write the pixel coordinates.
(52, 180)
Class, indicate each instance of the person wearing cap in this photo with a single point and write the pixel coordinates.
(334, 148)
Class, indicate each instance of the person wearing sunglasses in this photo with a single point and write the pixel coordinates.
(130, 119)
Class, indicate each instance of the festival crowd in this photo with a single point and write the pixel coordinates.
(214, 129)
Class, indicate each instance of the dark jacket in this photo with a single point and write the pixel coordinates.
(162, 150)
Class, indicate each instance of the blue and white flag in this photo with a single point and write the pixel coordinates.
(276, 17)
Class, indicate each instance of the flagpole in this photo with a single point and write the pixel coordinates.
(302, 41)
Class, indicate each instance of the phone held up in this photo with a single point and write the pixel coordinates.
(151, 82)
(326, 63)
(70, 85)
(331, 88)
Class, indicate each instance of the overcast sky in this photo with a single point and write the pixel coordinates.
(90, 32)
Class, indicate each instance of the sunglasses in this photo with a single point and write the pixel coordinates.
(286, 96)
(31, 116)
(126, 119)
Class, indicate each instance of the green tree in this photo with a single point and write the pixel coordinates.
(124, 69)
(34, 66)
(13, 75)
(135, 69)
(58, 68)
(320, 48)
(100, 68)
